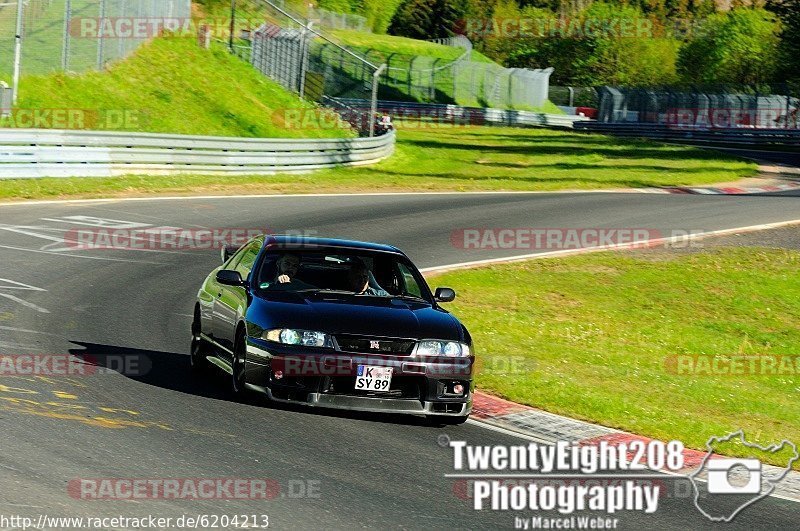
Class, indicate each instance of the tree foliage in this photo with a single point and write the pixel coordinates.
(788, 68)
(688, 40)
(737, 47)
(431, 19)
(605, 44)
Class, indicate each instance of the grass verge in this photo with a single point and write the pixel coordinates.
(462, 159)
(597, 337)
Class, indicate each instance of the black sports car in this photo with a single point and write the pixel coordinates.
(336, 324)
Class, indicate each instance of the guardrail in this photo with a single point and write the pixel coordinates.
(401, 111)
(717, 136)
(30, 153)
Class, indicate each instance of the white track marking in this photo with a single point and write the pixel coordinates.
(26, 331)
(103, 223)
(13, 284)
(25, 303)
(108, 200)
(84, 257)
(617, 246)
(19, 285)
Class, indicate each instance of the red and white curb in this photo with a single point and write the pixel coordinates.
(728, 190)
(789, 172)
(550, 428)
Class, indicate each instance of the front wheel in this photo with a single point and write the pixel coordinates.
(197, 356)
(237, 367)
(199, 350)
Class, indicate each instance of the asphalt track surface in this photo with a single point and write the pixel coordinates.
(370, 471)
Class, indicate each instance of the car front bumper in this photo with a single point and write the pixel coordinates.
(326, 379)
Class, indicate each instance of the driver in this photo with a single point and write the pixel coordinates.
(358, 279)
(287, 267)
(285, 279)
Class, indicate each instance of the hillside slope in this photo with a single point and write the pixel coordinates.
(171, 85)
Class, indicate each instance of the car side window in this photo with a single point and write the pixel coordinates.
(234, 260)
(248, 258)
(407, 282)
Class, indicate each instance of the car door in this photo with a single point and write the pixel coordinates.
(231, 301)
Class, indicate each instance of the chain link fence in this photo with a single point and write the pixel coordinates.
(80, 35)
(461, 81)
(291, 49)
(761, 107)
(574, 96)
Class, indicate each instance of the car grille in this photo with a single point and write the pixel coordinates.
(365, 345)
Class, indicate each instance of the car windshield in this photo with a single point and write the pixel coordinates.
(359, 273)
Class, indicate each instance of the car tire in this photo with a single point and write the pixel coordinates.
(446, 420)
(199, 349)
(237, 387)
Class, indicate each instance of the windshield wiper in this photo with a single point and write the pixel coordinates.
(408, 296)
(325, 290)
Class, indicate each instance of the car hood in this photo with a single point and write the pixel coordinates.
(366, 316)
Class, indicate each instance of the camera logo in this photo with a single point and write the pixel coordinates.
(721, 474)
(732, 484)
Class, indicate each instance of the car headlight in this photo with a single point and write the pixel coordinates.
(290, 336)
(448, 349)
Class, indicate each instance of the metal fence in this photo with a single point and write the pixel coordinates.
(289, 48)
(56, 153)
(432, 116)
(766, 107)
(79, 35)
(573, 96)
(753, 139)
(460, 81)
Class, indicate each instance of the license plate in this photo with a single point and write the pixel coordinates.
(370, 378)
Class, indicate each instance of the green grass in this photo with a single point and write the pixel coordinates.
(171, 85)
(463, 159)
(591, 336)
(382, 46)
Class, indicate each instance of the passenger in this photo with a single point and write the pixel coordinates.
(358, 277)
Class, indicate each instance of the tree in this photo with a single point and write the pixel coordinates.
(431, 19)
(788, 68)
(738, 47)
(604, 44)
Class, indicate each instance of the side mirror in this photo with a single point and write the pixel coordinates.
(445, 295)
(226, 252)
(228, 277)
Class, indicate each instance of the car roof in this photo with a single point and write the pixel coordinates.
(281, 241)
